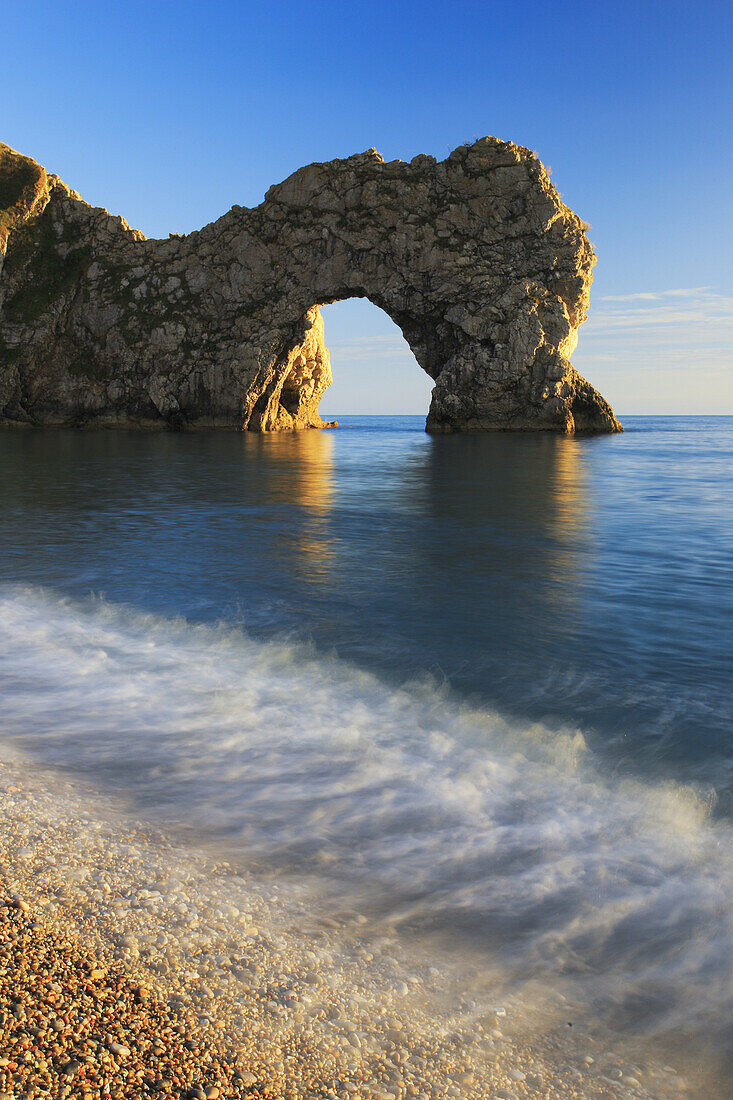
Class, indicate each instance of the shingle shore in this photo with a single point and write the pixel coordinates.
(133, 967)
(74, 1027)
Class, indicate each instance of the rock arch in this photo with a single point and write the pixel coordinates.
(476, 258)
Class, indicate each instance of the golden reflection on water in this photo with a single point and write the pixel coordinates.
(567, 520)
(570, 478)
(526, 500)
(302, 475)
(516, 485)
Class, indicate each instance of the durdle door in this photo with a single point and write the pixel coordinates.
(476, 258)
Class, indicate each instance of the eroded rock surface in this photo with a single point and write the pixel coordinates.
(476, 258)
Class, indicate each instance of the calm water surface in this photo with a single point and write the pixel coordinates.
(483, 683)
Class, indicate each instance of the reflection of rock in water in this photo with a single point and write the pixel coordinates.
(519, 503)
(299, 473)
(477, 259)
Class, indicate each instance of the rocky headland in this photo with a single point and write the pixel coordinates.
(476, 258)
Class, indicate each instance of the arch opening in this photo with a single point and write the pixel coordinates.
(374, 370)
(376, 361)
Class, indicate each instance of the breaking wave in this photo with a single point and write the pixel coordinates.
(434, 815)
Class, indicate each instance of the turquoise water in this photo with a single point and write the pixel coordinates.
(481, 683)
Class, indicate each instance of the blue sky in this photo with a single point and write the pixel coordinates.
(170, 112)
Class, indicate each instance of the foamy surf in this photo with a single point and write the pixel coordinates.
(425, 814)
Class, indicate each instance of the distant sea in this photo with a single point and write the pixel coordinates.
(481, 685)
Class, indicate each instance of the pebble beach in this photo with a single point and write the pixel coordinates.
(392, 761)
(132, 965)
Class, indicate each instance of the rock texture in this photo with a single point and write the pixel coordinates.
(476, 258)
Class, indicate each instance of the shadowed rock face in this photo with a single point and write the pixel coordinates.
(476, 258)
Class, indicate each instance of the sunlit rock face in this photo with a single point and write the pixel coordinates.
(476, 258)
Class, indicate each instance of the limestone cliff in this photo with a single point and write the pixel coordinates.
(476, 258)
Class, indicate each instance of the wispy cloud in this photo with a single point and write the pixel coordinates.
(680, 329)
(359, 348)
(656, 295)
(691, 327)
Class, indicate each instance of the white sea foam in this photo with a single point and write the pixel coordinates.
(435, 815)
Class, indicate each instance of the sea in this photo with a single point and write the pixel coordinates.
(478, 686)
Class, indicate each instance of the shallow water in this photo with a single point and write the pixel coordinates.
(478, 685)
